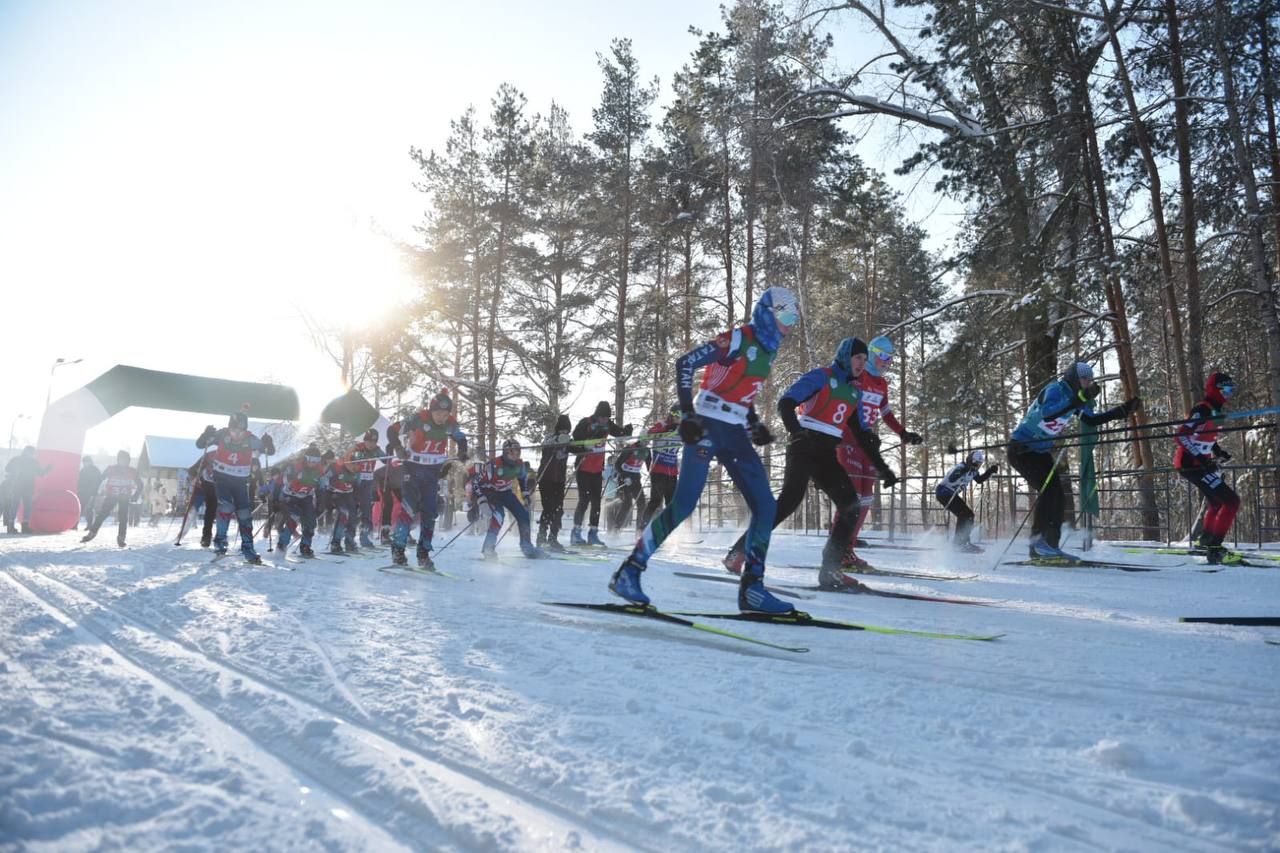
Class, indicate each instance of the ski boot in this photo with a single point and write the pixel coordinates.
(220, 551)
(120, 541)
(306, 551)
(853, 562)
(542, 538)
(425, 562)
(626, 582)
(861, 543)
(754, 598)
(553, 545)
(281, 548)
(205, 540)
(384, 535)
(733, 561)
(593, 538)
(398, 557)
(88, 537)
(575, 537)
(834, 580)
(366, 541)
(1042, 551)
(335, 548)
(251, 557)
(967, 548)
(350, 547)
(533, 552)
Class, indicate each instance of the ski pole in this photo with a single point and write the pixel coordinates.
(456, 535)
(191, 499)
(1031, 510)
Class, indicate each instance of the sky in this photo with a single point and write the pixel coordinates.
(184, 185)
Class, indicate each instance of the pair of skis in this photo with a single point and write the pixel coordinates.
(789, 591)
(794, 618)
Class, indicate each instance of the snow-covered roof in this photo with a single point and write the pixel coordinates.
(160, 451)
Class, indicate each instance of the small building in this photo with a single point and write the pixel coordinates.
(163, 469)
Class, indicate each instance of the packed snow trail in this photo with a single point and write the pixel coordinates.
(154, 700)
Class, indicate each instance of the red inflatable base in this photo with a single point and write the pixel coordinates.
(55, 512)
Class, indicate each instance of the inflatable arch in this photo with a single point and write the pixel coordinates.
(62, 432)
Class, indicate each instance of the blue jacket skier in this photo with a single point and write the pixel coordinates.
(502, 483)
(721, 422)
(1032, 441)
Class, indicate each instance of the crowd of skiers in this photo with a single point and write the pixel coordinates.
(831, 415)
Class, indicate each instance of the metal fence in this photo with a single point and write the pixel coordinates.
(1000, 505)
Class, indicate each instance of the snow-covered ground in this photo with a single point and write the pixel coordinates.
(150, 700)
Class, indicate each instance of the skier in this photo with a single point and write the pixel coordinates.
(501, 483)
(629, 466)
(270, 497)
(388, 480)
(87, 489)
(21, 474)
(364, 459)
(422, 439)
(1196, 460)
(828, 400)
(948, 494)
(722, 423)
(120, 485)
(299, 479)
(1032, 440)
(207, 496)
(664, 464)
(876, 407)
(339, 480)
(230, 461)
(551, 483)
(589, 438)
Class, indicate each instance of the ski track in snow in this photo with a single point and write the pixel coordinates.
(153, 700)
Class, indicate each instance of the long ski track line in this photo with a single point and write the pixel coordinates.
(517, 819)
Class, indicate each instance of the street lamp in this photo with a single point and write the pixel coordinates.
(14, 425)
(62, 362)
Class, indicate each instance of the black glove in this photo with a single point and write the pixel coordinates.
(760, 434)
(912, 437)
(268, 445)
(691, 431)
(1221, 454)
(208, 433)
(888, 479)
(627, 429)
(991, 469)
(1131, 405)
(1091, 393)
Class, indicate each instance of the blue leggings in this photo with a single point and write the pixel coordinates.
(418, 496)
(732, 446)
(498, 502)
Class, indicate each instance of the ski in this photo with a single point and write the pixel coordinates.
(415, 570)
(785, 592)
(1231, 558)
(805, 620)
(1054, 563)
(1268, 621)
(863, 589)
(890, 573)
(651, 612)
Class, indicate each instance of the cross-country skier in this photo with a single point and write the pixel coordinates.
(876, 407)
(628, 467)
(948, 494)
(205, 498)
(664, 464)
(552, 468)
(828, 400)
(422, 440)
(299, 479)
(722, 423)
(339, 480)
(1032, 441)
(120, 485)
(1196, 460)
(589, 438)
(363, 458)
(235, 449)
(502, 483)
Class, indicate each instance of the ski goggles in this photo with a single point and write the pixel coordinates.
(1227, 390)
